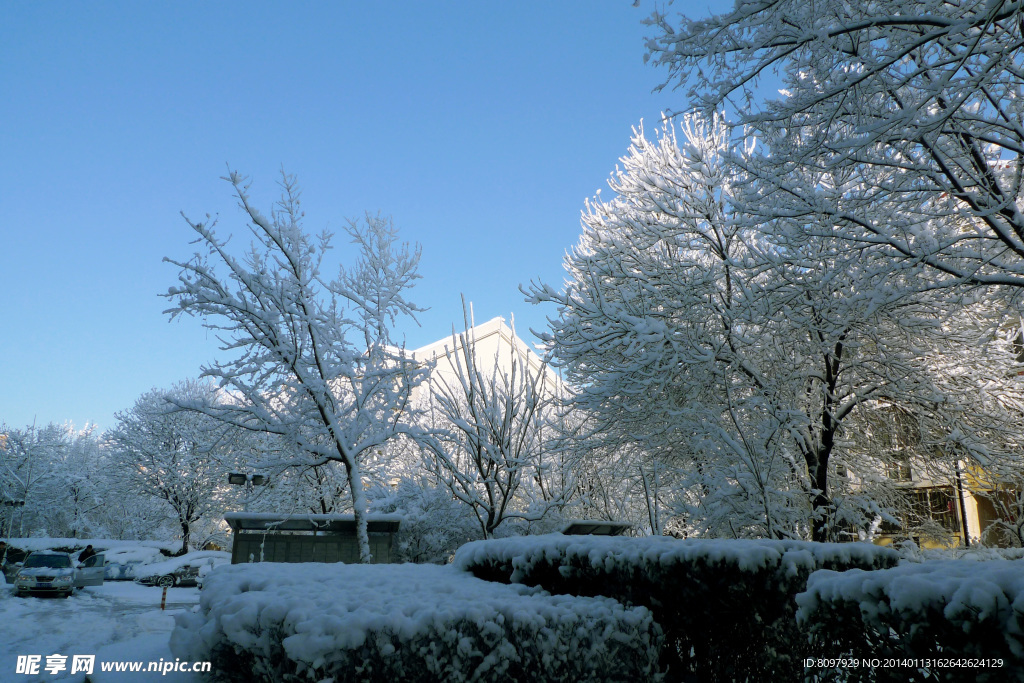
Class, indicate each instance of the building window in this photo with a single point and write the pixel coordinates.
(937, 505)
(898, 469)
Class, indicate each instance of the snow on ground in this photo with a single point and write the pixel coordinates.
(116, 622)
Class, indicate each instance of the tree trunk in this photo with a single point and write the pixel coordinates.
(359, 510)
(821, 503)
(185, 532)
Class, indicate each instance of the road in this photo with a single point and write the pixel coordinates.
(93, 621)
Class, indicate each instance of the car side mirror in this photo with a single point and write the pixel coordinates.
(81, 566)
(19, 564)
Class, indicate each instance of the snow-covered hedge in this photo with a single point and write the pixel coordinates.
(947, 619)
(315, 622)
(73, 545)
(726, 606)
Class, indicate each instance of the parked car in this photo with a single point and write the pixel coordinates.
(124, 563)
(179, 571)
(55, 573)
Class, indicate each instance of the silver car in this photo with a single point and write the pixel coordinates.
(50, 572)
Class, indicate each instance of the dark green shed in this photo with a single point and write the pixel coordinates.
(272, 537)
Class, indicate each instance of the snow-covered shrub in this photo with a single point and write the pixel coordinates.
(316, 622)
(946, 616)
(433, 525)
(726, 605)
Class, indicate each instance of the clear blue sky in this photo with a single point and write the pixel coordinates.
(480, 127)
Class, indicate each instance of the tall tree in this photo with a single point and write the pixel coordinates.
(921, 103)
(178, 456)
(80, 483)
(739, 351)
(45, 479)
(314, 360)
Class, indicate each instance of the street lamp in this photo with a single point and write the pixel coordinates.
(240, 479)
(248, 480)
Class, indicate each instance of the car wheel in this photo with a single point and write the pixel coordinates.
(165, 581)
(67, 594)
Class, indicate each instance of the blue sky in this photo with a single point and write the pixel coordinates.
(480, 127)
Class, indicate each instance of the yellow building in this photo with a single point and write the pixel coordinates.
(969, 508)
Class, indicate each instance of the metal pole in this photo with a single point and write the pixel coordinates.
(963, 511)
(24, 499)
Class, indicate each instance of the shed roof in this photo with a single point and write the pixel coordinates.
(340, 524)
(597, 527)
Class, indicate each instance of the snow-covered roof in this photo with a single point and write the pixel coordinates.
(494, 326)
(492, 342)
(263, 521)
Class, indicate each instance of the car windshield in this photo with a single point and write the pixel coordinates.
(54, 561)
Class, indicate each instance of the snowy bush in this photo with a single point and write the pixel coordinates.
(315, 622)
(726, 606)
(433, 525)
(943, 614)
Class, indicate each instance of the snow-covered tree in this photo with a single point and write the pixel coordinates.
(739, 351)
(128, 515)
(921, 103)
(80, 481)
(53, 474)
(314, 361)
(23, 467)
(71, 487)
(181, 457)
(489, 438)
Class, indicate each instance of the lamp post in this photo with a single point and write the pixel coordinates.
(11, 504)
(248, 480)
(963, 506)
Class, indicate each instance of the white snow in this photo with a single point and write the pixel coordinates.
(522, 553)
(98, 544)
(122, 563)
(116, 622)
(964, 592)
(132, 554)
(170, 565)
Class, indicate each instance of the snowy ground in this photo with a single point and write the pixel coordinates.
(118, 621)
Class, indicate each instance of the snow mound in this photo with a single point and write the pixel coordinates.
(310, 622)
(933, 609)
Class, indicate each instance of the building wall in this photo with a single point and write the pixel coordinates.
(496, 345)
(278, 547)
